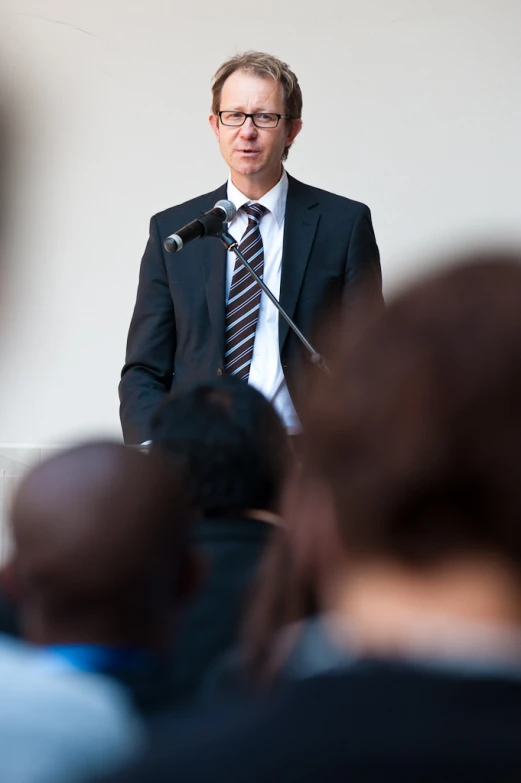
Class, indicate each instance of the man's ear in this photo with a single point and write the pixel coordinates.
(10, 584)
(295, 126)
(213, 119)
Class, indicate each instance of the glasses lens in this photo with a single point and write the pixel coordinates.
(266, 120)
(232, 117)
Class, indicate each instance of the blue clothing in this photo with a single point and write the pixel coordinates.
(60, 726)
(99, 658)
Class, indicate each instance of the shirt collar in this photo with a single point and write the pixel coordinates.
(328, 642)
(274, 199)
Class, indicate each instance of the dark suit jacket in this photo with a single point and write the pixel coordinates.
(375, 722)
(177, 329)
(150, 688)
(232, 548)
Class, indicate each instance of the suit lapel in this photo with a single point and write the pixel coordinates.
(300, 225)
(213, 256)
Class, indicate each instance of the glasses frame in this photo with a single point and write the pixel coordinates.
(252, 116)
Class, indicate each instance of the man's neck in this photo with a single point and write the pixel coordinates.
(255, 189)
(103, 632)
(260, 514)
(461, 610)
(264, 516)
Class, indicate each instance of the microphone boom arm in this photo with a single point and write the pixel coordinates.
(231, 244)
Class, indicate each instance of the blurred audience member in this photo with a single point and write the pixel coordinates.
(414, 456)
(60, 727)
(55, 727)
(278, 626)
(234, 451)
(102, 563)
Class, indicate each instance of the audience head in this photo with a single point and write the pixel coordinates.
(101, 552)
(414, 441)
(231, 443)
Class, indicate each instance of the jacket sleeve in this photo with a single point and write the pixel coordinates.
(147, 374)
(362, 294)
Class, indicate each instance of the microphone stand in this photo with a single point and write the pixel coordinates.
(231, 244)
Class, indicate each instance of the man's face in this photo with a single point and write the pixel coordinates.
(253, 154)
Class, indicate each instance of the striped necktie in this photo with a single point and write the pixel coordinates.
(242, 310)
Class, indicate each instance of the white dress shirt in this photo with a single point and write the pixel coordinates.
(266, 372)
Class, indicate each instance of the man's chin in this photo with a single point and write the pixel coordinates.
(247, 169)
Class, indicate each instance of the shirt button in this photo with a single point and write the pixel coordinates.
(220, 371)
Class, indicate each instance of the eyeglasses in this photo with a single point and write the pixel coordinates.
(259, 119)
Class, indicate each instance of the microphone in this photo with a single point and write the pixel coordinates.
(209, 224)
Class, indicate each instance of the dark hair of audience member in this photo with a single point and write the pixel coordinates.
(417, 432)
(231, 441)
(101, 547)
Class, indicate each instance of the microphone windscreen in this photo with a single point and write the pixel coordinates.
(228, 207)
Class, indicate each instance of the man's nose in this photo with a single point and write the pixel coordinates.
(248, 130)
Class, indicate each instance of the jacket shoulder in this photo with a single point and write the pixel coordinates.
(310, 193)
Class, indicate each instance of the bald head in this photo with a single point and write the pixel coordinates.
(100, 532)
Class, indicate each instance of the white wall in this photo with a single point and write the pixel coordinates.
(412, 106)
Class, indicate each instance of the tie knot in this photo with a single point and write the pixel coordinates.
(254, 211)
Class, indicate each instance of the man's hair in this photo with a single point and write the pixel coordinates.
(267, 66)
(417, 432)
(230, 441)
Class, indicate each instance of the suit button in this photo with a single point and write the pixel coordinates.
(220, 371)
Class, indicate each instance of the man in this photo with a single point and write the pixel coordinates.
(234, 451)
(199, 315)
(414, 458)
(84, 542)
(102, 564)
